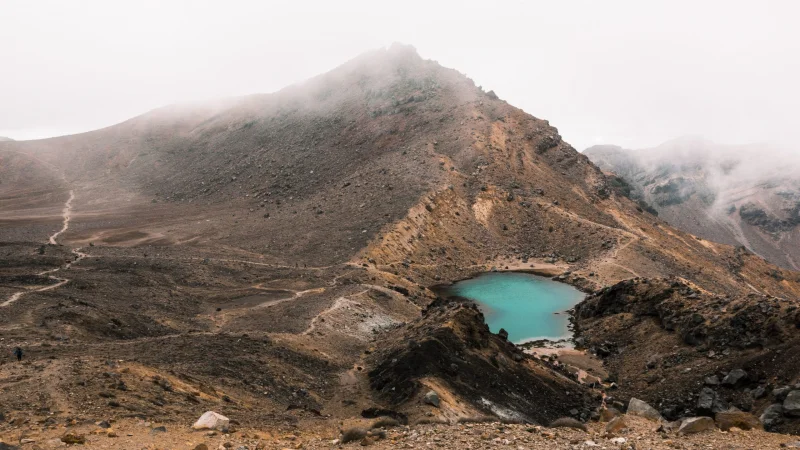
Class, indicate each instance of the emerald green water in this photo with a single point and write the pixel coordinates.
(523, 304)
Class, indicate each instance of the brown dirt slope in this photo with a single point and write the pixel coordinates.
(265, 254)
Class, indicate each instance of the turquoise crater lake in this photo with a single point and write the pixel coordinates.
(524, 305)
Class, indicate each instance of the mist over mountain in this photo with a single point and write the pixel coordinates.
(278, 259)
(736, 194)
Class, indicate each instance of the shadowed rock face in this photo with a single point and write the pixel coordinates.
(753, 215)
(745, 195)
(690, 334)
(452, 343)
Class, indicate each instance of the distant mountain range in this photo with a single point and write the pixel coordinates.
(5, 139)
(740, 195)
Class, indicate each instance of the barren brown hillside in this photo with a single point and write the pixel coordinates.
(269, 257)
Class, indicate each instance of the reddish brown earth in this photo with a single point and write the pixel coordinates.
(269, 258)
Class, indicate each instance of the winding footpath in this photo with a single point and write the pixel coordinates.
(67, 215)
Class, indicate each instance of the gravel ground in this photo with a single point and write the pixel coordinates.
(641, 434)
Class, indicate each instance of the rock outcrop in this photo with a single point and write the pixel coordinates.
(452, 345)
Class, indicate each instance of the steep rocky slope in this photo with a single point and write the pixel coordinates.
(737, 195)
(269, 256)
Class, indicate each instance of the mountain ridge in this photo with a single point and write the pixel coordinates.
(739, 195)
(294, 237)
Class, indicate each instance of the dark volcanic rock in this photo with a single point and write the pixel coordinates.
(734, 378)
(488, 373)
(708, 402)
(772, 416)
(791, 406)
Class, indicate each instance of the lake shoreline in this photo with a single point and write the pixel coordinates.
(515, 300)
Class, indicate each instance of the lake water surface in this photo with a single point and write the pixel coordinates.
(523, 304)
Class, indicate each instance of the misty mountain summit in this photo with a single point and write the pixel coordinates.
(280, 270)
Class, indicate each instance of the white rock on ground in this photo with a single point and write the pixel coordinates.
(211, 421)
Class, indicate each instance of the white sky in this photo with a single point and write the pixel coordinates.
(634, 73)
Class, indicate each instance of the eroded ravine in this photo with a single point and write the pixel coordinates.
(66, 216)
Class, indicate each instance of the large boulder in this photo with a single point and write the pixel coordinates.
(734, 418)
(212, 421)
(696, 425)
(791, 406)
(639, 408)
(772, 416)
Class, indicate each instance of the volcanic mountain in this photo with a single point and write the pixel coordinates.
(270, 257)
(738, 195)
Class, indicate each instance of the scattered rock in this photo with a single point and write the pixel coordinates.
(616, 425)
(772, 416)
(759, 392)
(734, 377)
(696, 425)
(734, 418)
(432, 398)
(386, 422)
(72, 438)
(352, 435)
(211, 421)
(709, 402)
(781, 393)
(568, 422)
(503, 334)
(638, 407)
(791, 406)
(608, 414)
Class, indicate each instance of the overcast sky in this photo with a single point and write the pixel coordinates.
(634, 73)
